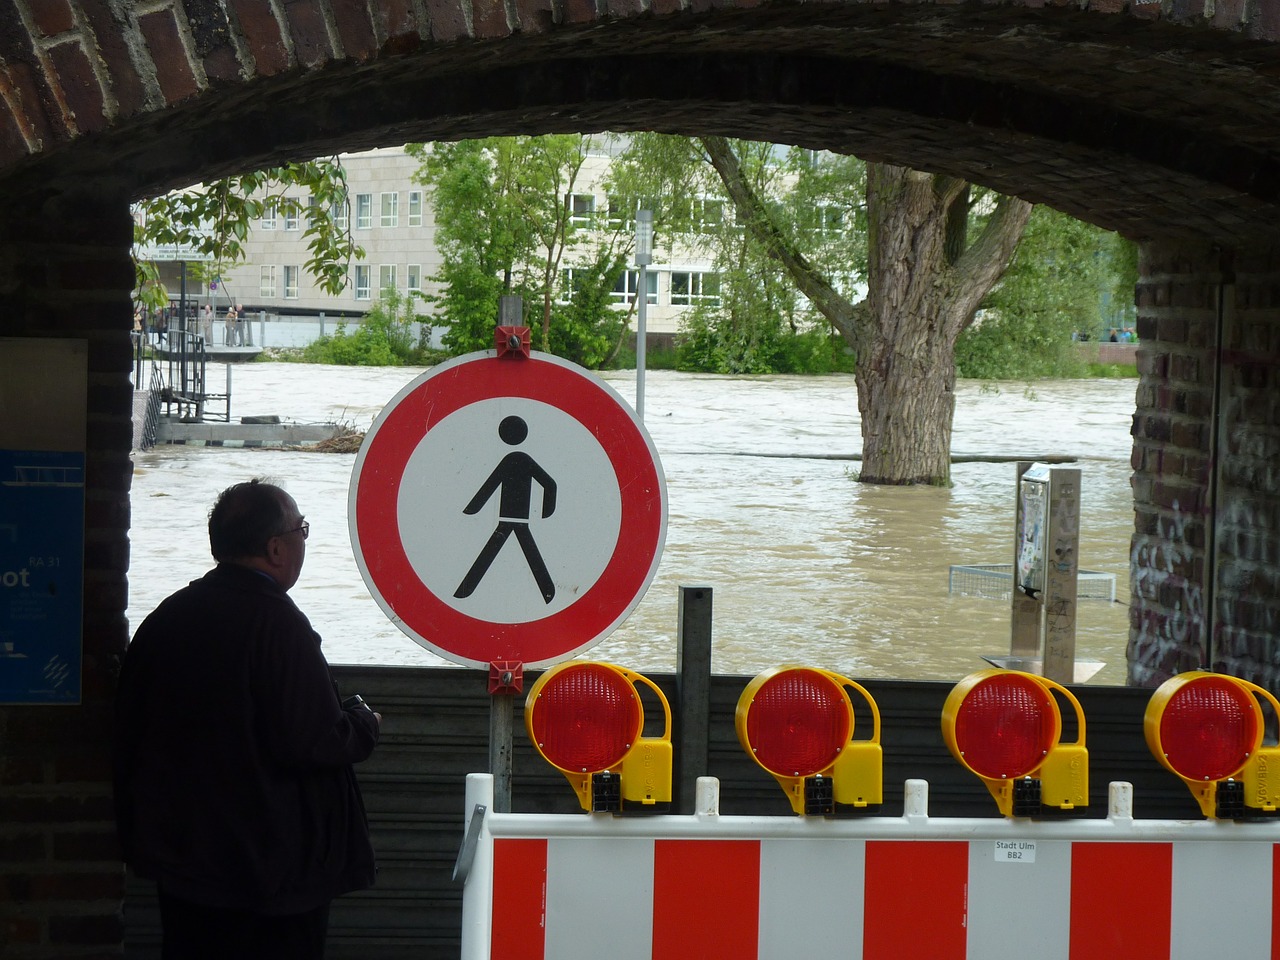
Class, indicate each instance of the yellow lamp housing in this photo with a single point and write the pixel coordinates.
(797, 723)
(586, 719)
(1208, 729)
(1004, 726)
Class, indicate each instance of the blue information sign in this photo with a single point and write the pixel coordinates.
(41, 575)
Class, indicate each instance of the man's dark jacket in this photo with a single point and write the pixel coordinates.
(234, 785)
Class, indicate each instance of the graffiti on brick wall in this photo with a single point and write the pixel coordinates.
(1154, 562)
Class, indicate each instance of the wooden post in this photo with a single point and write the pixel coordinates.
(693, 694)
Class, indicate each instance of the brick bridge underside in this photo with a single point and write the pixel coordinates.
(1156, 119)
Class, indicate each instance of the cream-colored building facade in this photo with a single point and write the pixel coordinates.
(391, 218)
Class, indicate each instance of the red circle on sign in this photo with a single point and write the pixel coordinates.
(375, 522)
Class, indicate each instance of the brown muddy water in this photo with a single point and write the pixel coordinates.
(807, 565)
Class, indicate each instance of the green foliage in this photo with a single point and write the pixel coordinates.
(587, 328)
(505, 225)
(384, 339)
(214, 219)
(1054, 291)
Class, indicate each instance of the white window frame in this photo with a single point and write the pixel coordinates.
(340, 213)
(268, 221)
(582, 208)
(695, 282)
(291, 278)
(290, 214)
(267, 281)
(362, 282)
(389, 209)
(413, 277)
(624, 290)
(415, 208)
(831, 220)
(386, 277)
(700, 207)
(364, 211)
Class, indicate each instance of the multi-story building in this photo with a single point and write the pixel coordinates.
(391, 217)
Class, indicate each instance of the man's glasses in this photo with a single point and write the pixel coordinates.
(304, 528)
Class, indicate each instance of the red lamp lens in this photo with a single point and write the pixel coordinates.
(586, 718)
(1208, 728)
(798, 722)
(1005, 726)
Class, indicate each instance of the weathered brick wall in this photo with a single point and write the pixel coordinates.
(1247, 591)
(1207, 465)
(65, 272)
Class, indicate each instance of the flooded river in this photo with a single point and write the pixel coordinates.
(806, 564)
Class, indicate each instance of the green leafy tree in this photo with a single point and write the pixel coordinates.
(506, 225)
(384, 338)
(1054, 290)
(213, 220)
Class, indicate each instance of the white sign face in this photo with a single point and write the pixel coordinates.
(507, 509)
(462, 458)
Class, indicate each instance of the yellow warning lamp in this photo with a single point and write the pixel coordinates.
(1004, 726)
(797, 723)
(1208, 728)
(586, 720)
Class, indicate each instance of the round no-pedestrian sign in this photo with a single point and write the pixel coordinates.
(507, 509)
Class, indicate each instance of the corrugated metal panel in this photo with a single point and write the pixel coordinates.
(435, 731)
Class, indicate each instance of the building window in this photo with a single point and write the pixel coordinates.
(624, 290)
(386, 277)
(688, 289)
(413, 278)
(581, 207)
(830, 219)
(415, 208)
(364, 278)
(291, 283)
(621, 213)
(364, 211)
(267, 283)
(708, 214)
(269, 215)
(290, 214)
(312, 206)
(340, 213)
(390, 212)
(569, 284)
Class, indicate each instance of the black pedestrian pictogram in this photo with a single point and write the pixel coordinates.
(515, 475)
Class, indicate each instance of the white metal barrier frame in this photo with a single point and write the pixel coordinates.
(707, 887)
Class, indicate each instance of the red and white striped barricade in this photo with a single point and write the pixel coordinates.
(707, 887)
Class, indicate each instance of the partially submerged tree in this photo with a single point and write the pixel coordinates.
(925, 281)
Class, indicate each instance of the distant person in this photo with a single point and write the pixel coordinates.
(229, 327)
(1115, 335)
(239, 325)
(206, 324)
(234, 785)
(1129, 335)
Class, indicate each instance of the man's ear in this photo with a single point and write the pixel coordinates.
(275, 551)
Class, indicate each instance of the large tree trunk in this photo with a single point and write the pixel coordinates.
(924, 287)
(906, 344)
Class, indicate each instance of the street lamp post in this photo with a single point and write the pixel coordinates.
(644, 256)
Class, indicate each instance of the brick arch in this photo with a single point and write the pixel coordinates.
(1145, 117)
(1153, 117)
